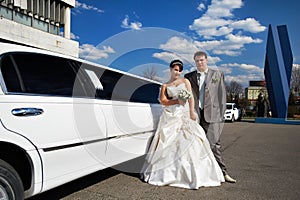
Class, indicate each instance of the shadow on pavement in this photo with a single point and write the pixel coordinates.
(130, 168)
(248, 120)
(241, 120)
(76, 185)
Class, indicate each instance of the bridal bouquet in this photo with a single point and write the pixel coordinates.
(184, 95)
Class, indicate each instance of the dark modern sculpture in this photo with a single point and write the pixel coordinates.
(278, 69)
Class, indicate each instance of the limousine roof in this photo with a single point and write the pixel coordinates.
(9, 48)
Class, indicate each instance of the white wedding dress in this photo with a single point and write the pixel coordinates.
(180, 154)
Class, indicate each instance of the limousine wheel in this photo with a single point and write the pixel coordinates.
(11, 187)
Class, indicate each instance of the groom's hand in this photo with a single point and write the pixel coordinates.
(181, 102)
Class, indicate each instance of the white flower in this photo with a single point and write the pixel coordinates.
(184, 95)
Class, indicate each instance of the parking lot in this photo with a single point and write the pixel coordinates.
(264, 158)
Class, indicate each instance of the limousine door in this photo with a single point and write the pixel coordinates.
(131, 111)
(48, 105)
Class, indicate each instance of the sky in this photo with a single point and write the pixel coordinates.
(137, 35)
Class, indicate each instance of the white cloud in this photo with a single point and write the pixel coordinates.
(219, 21)
(84, 6)
(252, 68)
(212, 60)
(90, 52)
(210, 33)
(223, 8)
(131, 25)
(165, 56)
(249, 24)
(243, 79)
(208, 22)
(232, 45)
(247, 72)
(221, 34)
(74, 37)
(226, 52)
(225, 70)
(179, 45)
(184, 49)
(201, 7)
(240, 39)
(246, 67)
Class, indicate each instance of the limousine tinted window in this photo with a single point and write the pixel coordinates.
(10, 75)
(146, 93)
(40, 74)
(43, 74)
(122, 87)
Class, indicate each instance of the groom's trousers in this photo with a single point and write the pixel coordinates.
(213, 133)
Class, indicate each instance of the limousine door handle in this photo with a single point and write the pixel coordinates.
(27, 111)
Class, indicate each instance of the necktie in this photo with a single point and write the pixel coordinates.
(201, 89)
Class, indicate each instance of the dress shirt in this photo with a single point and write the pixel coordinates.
(201, 82)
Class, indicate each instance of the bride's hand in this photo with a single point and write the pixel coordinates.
(193, 116)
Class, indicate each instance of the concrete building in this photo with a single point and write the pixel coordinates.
(38, 23)
(252, 92)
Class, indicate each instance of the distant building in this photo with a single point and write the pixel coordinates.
(38, 23)
(252, 92)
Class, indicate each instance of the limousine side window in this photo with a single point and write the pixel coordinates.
(10, 75)
(40, 74)
(107, 78)
(122, 87)
(147, 93)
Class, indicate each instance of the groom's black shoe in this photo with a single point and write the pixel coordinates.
(229, 179)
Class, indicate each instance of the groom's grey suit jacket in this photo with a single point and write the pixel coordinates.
(214, 95)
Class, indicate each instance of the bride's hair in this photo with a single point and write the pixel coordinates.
(178, 63)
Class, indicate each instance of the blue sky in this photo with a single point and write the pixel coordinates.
(135, 35)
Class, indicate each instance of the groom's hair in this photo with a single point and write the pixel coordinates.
(200, 53)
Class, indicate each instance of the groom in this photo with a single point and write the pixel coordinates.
(210, 103)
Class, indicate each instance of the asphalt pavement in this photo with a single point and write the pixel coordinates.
(264, 158)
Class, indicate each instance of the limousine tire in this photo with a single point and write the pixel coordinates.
(11, 187)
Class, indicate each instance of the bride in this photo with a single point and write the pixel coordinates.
(180, 154)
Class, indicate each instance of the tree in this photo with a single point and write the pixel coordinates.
(150, 73)
(234, 89)
(295, 78)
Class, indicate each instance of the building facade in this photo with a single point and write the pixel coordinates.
(254, 89)
(44, 24)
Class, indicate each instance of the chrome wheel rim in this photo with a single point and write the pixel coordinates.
(3, 193)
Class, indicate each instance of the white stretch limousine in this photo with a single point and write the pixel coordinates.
(62, 118)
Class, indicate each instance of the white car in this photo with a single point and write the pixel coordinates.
(62, 118)
(232, 112)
